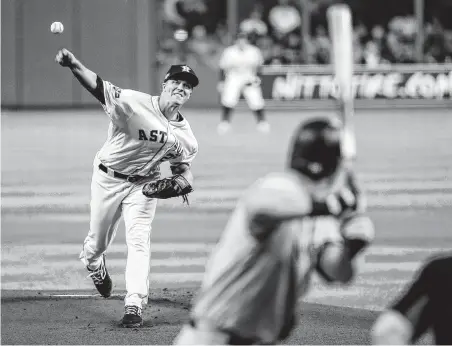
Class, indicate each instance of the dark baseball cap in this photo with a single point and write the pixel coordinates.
(182, 72)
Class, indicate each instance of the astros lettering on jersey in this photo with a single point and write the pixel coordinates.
(140, 137)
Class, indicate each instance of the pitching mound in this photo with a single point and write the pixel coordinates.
(82, 318)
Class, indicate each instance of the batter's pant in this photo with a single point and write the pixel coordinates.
(112, 197)
(206, 335)
(192, 336)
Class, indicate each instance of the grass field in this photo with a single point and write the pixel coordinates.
(404, 162)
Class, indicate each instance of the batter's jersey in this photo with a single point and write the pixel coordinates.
(251, 286)
(140, 137)
(241, 63)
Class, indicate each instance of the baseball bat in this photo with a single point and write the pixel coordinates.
(341, 36)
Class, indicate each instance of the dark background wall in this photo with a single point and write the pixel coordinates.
(113, 38)
(117, 39)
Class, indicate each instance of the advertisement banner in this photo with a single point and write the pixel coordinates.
(404, 82)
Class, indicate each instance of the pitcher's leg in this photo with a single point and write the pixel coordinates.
(138, 213)
(105, 213)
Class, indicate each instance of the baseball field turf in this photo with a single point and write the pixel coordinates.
(404, 162)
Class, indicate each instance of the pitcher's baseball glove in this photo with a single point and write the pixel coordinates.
(174, 186)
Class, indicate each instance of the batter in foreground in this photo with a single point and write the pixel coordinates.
(144, 131)
(286, 227)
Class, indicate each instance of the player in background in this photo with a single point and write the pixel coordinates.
(144, 131)
(240, 65)
(425, 304)
(287, 226)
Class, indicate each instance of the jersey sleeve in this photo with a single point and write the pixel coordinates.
(259, 58)
(279, 197)
(186, 158)
(224, 63)
(117, 103)
(271, 202)
(356, 226)
(352, 198)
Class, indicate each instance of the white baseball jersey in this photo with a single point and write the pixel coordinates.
(140, 137)
(251, 286)
(241, 63)
(240, 66)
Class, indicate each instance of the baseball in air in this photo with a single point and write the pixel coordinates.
(181, 35)
(57, 28)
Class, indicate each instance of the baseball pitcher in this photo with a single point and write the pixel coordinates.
(240, 65)
(144, 131)
(287, 226)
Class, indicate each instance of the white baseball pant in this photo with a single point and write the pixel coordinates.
(233, 89)
(112, 197)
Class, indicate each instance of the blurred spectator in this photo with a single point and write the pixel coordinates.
(448, 46)
(185, 13)
(392, 43)
(277, 57)
(199, 40)
(294, 41)
(203, 47)
(377, 37)
(284, 19)
(293, 56)
(322, 45)
(169, 52)
(171, 13)
(438, 44)
(401, 39)
(265, 44)
(371, 55)
(254, 26)
(278, 34)
(222, 34)
(309, 48)
(359, 33)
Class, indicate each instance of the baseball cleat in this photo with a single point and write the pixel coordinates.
(263, 127)
(132, 317)
(223, 127)
(101, 279)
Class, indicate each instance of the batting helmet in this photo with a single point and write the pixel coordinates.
(316, 148)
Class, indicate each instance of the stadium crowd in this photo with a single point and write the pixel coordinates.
(275, 26)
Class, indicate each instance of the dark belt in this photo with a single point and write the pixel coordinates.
(129, 178)
(234, 339)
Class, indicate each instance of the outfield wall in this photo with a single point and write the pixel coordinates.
(110, 37)
(116, 40)
(385, 86)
